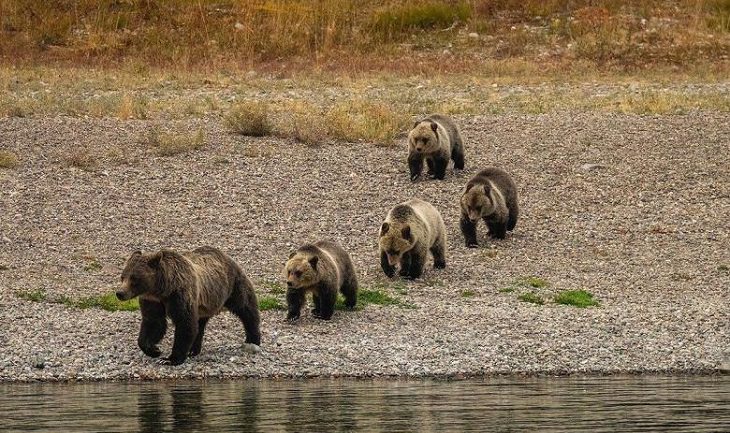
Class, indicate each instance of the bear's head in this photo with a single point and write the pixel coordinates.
(395, 240)
(476, 202)
(423, 137)
(140, 275)
(301, 270)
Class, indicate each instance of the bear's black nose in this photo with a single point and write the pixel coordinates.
(289, 284)
(120, 295)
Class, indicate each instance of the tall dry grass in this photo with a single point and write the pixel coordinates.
(356, 34)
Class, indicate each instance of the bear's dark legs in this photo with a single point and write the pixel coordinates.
(186, 328)
(317, 304)
(153, 328)
(469, 230)
(328, 297)
(497, 229)
(457, 154)
(405, 264)
(388, 270)
(295, 300)
(415, 164)
(198, 343)
(438, 250)
(429, 162)
(417, 261)
(439, 167)
(349, 290)
(243, 304)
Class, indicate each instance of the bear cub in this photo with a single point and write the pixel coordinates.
(492, 196)
(412, 229)
(188, 287)
(321, 268)
(435, 139)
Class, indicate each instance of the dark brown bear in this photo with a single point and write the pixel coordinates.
(491, 195)
(189, 288)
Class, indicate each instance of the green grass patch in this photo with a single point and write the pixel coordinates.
(468, 293)
(403, 19)
(532, 281)
(273, 287)
(107, 301)
(506, 290)
(531, 297)
(723, 268)
(375, 296)
(267, 303)
(576, 298)
(93, 266)
(37, 295)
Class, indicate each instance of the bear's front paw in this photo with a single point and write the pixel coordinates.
(472, 245)
(389, 272)
(414, 177)
(152, 352)
(315, 312)
(291, 317)
(171, 360)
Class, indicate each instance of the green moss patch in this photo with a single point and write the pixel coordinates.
(576, 298)
(267, 303)
(531, 297)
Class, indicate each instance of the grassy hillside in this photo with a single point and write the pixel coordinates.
(349, 35)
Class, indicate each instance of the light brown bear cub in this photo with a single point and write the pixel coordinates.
(410, 231)
(188, 287)
(492, 196)
(321, 268)
(435, 139)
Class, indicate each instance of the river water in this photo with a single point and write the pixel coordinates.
(630, 403)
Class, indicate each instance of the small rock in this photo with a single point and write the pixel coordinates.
(474, 35)
(591, 167)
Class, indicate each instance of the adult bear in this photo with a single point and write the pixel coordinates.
(188, 287)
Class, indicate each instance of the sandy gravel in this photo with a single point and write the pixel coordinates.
(646, 232)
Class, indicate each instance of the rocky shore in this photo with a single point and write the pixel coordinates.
(633, 209)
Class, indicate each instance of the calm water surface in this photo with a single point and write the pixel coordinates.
(692, 404)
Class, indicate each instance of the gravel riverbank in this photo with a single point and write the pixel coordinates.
(634, 209)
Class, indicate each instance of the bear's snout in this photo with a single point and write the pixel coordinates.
(289, 284)
(121, 295)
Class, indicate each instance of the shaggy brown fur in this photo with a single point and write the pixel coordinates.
(435, 139)
(321, 268)
(190, 288)
(410, 230)
(492, 196)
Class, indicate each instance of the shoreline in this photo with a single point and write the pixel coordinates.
(643, 231)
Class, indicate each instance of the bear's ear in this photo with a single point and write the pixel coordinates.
(154, 260)
(406, 232)
(384, 229)
(416, 124)
(136, 254)
(292, 254)
(468, 187)
(313, 261)
(434, 126)
(486, 189)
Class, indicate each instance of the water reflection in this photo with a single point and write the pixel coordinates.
(559, 404)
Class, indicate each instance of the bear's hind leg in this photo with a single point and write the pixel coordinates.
(418, 260)
(153, 328)
(243, 304)
(198, 343)
(328, 297)
(439, 167)
(438, 250)
(349, 290)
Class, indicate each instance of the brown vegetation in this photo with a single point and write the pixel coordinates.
(440, 36)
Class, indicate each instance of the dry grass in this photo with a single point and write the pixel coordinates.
(80, 158)
(355, 36)
(8, 159)
(173, 143)
(249, 118)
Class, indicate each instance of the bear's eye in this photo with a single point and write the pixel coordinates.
(297, 274)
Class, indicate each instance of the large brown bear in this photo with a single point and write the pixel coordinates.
(189, 288)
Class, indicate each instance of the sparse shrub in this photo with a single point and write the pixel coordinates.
(531, 297)
(8, 159)
(80, 158)
(395, 21)
(249, 118)
(169, 144)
